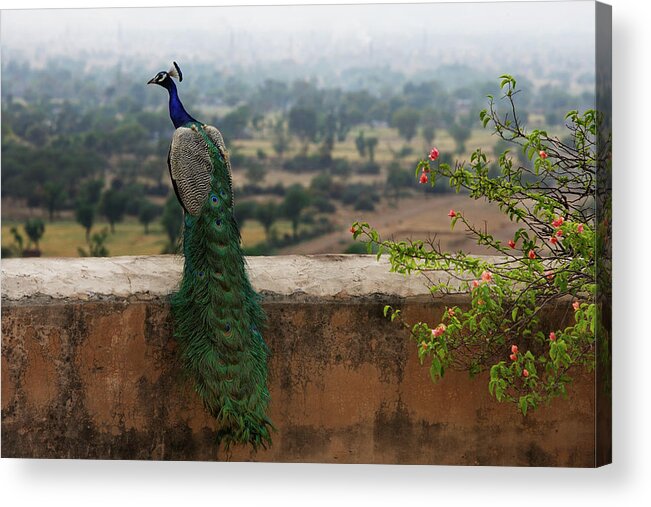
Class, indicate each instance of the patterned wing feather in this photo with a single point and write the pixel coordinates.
(190, 168)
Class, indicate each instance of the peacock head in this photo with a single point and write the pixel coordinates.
(165, 78)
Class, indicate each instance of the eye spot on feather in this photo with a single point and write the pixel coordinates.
(214, 200)
(201, 274)
(227, 329)
(218, 222)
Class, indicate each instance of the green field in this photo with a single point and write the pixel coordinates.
(62, 238)
(388, 140)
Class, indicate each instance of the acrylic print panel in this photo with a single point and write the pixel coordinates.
(339, 234)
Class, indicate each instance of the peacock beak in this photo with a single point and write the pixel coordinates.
(152, 81)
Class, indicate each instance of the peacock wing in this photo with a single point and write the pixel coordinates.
(190, 164)
(190, 168)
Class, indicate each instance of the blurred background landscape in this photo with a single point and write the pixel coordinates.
(325, 110)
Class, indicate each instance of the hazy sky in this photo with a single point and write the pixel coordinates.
(95, 28)
(529, 17)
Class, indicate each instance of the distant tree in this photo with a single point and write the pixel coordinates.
(127, 137)
(322, 183)
(113, 206)
(398, 179)
(91, 191)
(303, 124)
(428, 133)
(85, 215)
(235, 122)
(255, 172)
(37, 134)
(280, 138)
(364, 203)
(148, 213)
(323, 204)
(328, 134)
(35, 228)
(257, 122)
(17, 247)
(172, 220)
(54, 196)
(296, 199)
(245, 210)
(96, 245)
(155, 168)
(272, 94)
(267, 213)
(371, 143)
(429, 120)
(460, 133)
(360, 144)
(405, 119)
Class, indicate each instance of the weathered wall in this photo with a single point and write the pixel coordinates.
(89, 371)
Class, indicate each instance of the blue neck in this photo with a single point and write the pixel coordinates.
(178, 114)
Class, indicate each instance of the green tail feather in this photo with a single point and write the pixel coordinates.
(218, 318)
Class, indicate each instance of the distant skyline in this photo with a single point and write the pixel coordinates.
(448, 26)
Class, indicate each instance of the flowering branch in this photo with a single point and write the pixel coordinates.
(548, 264)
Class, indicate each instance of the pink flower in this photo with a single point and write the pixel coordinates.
(559, 232)
(450, 312)
(486, 276)
(452, 213)
(511, 243)
(549, 275)
(434, 154)
(438, 330)
(579, 229)
(553, 240)
(514, 349)
(531, 254)
(525, 373)
(576, 305)
(423, 345)
(423, 178)
(552, 336)
(352, 230)
(475, 284)
(543, 154)
(513, 357)
(558, 222)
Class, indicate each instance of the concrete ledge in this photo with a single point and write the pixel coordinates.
(89, 371)
(147, 277)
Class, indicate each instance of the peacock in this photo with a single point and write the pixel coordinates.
(216, 313)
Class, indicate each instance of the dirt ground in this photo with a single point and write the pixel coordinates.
(419, 217)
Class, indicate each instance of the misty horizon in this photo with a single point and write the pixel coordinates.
(413, 38)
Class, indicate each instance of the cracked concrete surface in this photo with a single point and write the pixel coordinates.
(146, 277)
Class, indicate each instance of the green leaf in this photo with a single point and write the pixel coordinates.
(435, 369)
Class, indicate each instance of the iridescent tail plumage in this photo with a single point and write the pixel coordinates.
(218, 318)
